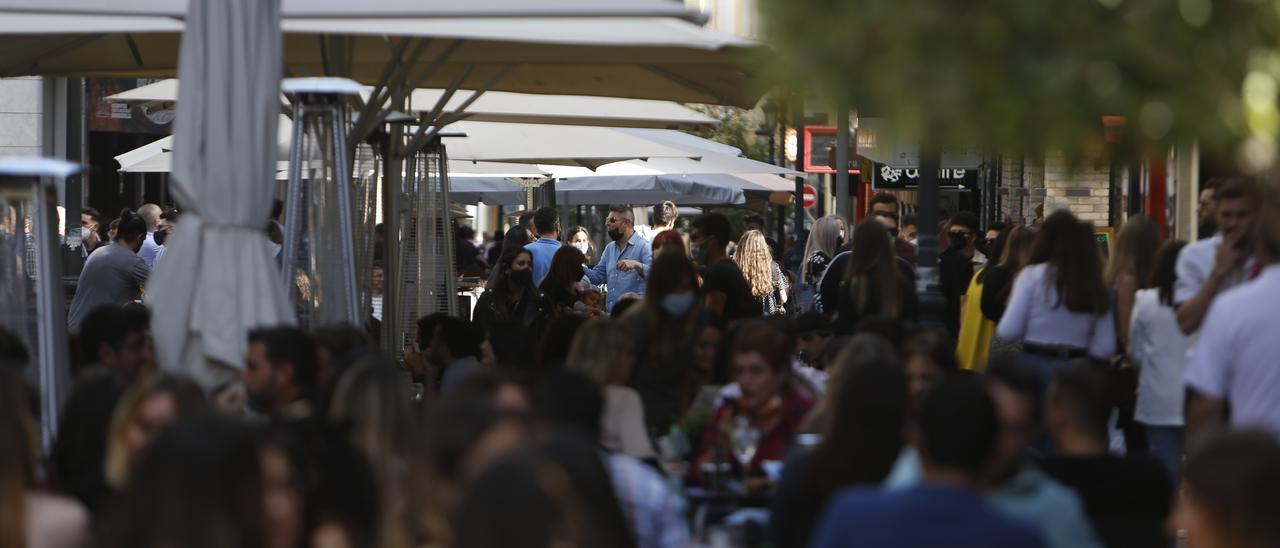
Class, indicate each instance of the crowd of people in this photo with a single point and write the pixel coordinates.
(632, 395)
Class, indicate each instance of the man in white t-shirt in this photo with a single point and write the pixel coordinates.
(1208, 267)
(1235, 363)
(150, 248)
(663, 218)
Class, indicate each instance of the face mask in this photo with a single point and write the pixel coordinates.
(677, 304)
(160, 237)
(959, 241)
(840, 240)
(615, 234)
(581, 246)
(522, 278)
(914, 241)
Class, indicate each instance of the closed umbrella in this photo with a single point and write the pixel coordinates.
(219, 279)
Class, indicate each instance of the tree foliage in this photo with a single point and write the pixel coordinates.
(736, 129)
(1030, 75)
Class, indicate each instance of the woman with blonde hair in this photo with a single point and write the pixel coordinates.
(762, 273)
(602, 351)
(146, 409)
(825, 238)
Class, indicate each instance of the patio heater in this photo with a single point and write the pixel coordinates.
(366, 175)
(319, 255)
(426, 246)
(31, 292)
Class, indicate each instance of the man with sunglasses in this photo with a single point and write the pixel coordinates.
(957, 263)
(624, 263)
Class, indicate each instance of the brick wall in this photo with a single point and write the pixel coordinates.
(1084, 189)
(1029, 181)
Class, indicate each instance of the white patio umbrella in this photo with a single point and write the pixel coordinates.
(219, 279)
(501, 106)
(157, 156)
(688, 190)
(646, 49)
(585, 146)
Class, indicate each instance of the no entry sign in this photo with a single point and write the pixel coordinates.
(810, 197)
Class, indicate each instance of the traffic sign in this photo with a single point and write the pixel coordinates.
(810, 197)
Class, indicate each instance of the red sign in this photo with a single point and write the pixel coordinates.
(820, 150)
(810, 197)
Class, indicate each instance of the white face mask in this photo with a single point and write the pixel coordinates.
(581, 246)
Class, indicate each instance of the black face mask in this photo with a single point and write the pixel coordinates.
(615, 234)
(522, 278)
(959, 241)
(839, 242)
(160, 236)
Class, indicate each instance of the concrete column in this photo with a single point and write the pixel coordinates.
(20, 116)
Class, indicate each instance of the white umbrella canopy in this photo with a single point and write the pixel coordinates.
(500, 106)
(688, 190)
(157, 156)
(386, 8)
(645, 49)
(585, 146)
(489, 142)
(219, 280)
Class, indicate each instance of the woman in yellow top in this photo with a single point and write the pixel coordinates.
(975, 329)
(983, 302)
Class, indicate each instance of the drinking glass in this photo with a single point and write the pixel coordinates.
(746, 439)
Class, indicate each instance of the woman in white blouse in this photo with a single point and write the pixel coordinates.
(602, 350)
(1060, 308)
(1159, 348)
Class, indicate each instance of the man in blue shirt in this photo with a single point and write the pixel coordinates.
(547, 244)
(624, 263)
(958, 428)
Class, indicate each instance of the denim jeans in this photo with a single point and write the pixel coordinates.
(1166, 446)
(1045, 365)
